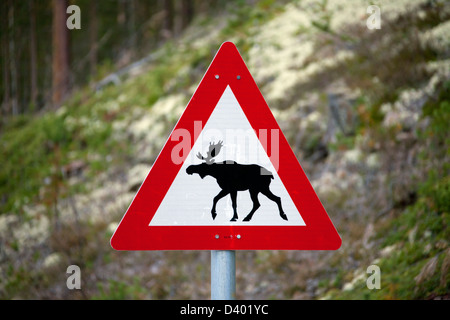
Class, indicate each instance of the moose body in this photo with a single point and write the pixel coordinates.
(233, 177)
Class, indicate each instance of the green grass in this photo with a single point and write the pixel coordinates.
(419, 264)
(34, 150)
(117, 290)
(420, 236)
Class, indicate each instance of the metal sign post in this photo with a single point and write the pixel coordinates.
(223, 274)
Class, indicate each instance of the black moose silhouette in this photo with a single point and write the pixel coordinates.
(233, 177)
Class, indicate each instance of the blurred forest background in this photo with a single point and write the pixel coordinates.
(84, 113)
(43, 61)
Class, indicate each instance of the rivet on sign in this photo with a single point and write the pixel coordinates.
(216, 76)
(238, 236)
(238, 77)
(217, 236)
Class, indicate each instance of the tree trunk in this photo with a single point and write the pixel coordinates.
(169, 12)
(93, 38)
(121, 17)
(187, 12)
(132, 25)
(6, 103)
(12, 57)
(33, 55)
(60, 63)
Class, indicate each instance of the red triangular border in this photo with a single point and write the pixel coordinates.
(134, 232)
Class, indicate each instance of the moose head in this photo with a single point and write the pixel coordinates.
(203, 169)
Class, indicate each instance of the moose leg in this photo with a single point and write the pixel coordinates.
(256, 204)
(275, 199)
(219, 196)
(233, 195)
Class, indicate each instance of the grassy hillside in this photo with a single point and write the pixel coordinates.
(365, 111)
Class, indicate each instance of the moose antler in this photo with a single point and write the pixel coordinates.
(213, 151)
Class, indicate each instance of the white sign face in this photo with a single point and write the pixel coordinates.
(189, 201)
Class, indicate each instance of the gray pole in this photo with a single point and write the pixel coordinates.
(223, 274)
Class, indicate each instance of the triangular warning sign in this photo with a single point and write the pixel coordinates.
(226, 178)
